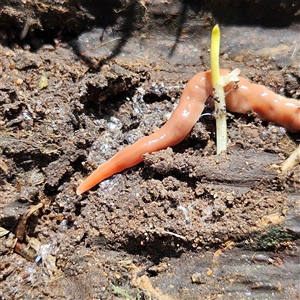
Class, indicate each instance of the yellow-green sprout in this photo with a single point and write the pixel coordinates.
(220, 106)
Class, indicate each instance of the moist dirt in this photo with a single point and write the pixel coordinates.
(183, 224)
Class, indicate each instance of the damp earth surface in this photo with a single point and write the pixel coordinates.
(78, 84)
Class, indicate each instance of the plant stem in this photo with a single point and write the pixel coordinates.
(220, 106)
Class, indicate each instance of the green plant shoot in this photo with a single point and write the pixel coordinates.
(220, 106)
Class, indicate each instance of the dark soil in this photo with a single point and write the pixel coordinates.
(79, 82)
